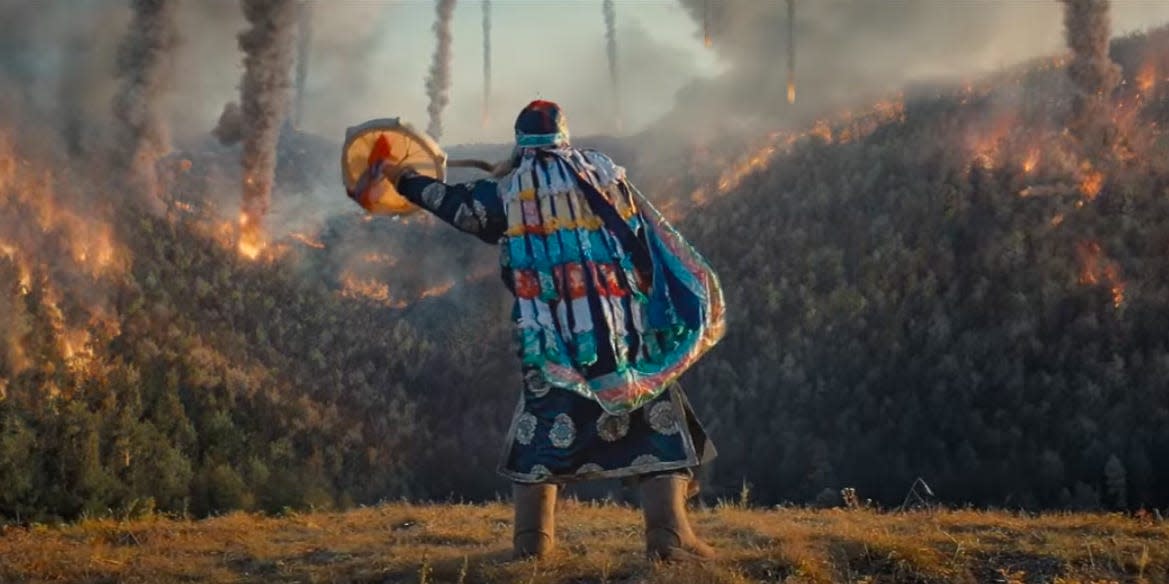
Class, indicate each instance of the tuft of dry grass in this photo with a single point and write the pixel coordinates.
(466, 544)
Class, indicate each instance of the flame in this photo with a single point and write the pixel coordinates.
(438, 290)
(822, 130)
(307, 240)
(22, 270)
(251, 238)
(1146, 77)
(843, 128)
(1057, 219)
(791, 91)
(1117, 291)
(707, 41)
(370, 289)
(986, 143)
(1091, 181)
(1096, 269)
(1031, 160)
(757, 161)
(75, 347)
(37, 196)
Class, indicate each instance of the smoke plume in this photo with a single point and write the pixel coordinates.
(706, 38)
(230, 128)
(304, 35)
(269, 49)
(143, 67)
(791, 51)
(486, 61)
(611, 49)
(438, 83)
(1087, 29)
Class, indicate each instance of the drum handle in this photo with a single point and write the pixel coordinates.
(471, 163)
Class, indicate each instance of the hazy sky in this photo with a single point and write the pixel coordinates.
(370, 57)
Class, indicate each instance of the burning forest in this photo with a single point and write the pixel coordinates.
(969, 278)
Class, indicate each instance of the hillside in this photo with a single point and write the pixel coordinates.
(600, 543)
(947, 284)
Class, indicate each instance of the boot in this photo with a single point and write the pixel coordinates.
(535, 520)
(693, 489)
(668, 535)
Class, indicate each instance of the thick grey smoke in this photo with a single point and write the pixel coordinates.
(853, 52)
(611, 51)
(230, 128)
(486, 62)
(269, 49)
(438, 83)
(304, 37)
(144, 68)
(1087, 29)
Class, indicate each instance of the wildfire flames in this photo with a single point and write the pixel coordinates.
(251, 237)
(1146, 78)
(1092, 181)
(844, 128)
(1031, 161)
(369, 289)
(59, 254)
(1096, 270)
(378, 291)
(307, 240)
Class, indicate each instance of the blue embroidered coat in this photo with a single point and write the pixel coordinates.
(610, 301)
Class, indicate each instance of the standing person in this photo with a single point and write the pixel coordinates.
(611, 306)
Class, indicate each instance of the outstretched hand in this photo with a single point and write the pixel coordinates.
(393, 172)
(380, 169)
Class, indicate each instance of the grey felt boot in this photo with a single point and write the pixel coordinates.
(535, 520)
(668, 535)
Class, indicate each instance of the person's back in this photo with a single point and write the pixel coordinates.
(611, 306)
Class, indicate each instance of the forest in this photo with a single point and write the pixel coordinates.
(947, 285)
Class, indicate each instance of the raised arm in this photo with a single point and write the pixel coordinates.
(473, 207)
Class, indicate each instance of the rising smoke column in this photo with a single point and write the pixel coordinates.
(486, 61)
(611, 49)
(144, 71)
(304, 37)
(1094, 76)
(707, 40)
(269, 48)
(438, 83)
(791, 51)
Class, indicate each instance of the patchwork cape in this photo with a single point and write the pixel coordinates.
(611, 303)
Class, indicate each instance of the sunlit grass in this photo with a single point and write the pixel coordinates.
(401, 542)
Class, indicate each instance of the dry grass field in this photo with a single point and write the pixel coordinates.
(401, 542)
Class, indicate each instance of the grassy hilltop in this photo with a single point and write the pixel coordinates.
(599, 543)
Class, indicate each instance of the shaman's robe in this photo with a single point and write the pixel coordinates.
(611, 306)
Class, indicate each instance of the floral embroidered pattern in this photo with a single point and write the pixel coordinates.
(589, 468)
(525, 429)
(612, 428)
(540, 471)
(535, 383)
(466, 220)
(563, 431)
(663, 418)
(645, 459)
(433, 195)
